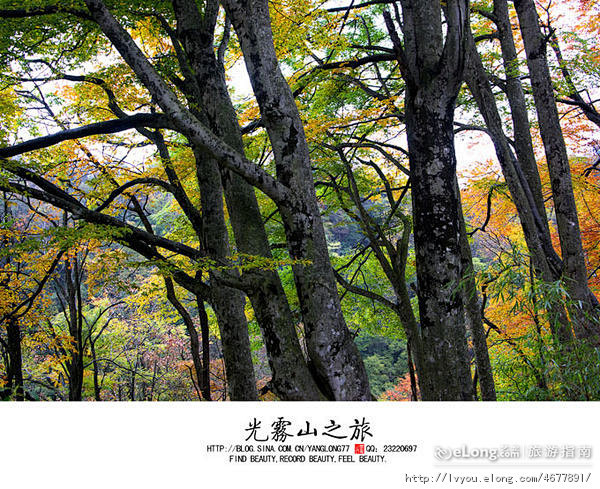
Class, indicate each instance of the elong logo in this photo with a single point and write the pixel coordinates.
(492, 454)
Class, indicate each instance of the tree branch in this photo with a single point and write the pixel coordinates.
(355, 63)
(360, 5)
(79, 211)
(106, 127)
(365, 293)
(40, 11)
(184, 121)
(137, 181)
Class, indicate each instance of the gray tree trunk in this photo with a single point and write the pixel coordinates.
(291, 378)
(473, 316)
(333, 357)
(518, 108)
(432, 68)
(73, 316)
(228, 303)
(547, 263)
(437, 246)
(586, 304)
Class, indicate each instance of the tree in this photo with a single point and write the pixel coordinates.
(346, 372)
(28, 265)
(291, 378)
(575, 274)
(432, 67)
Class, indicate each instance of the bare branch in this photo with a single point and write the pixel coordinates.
(184, 121)
(138, 181)
(360, 5)
(365, 293)
(41, 11)
(106, 127)
(355, 63)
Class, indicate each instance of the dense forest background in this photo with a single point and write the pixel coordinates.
(299, 200)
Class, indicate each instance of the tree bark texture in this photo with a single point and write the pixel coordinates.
(518, 108)
(15, 359)
(333, 356)
(74, 318)
(586, 304)
(536, 232)
(433, 67)
(473, 316)
(437, 246)
(228, 303)
(291, 378)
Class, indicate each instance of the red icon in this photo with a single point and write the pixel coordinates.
(359, 448)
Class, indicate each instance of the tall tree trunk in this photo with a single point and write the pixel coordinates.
(201, 367)
(14, 356)
(436, 233)
(547, 263)
(518, 109)
(473, 316)
(15, 359)
(132, 381)
(414, 391)
(153, 382)
(205, 384)
(333, 356)
(432, 67)
(330, 344)
(97, 396)
(75, 363)
(585, 303)
(228, 303)
(291, 377)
